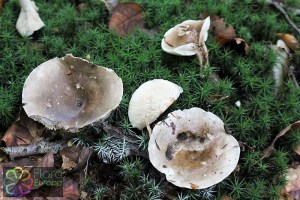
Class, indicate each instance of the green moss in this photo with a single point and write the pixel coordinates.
(138, 57)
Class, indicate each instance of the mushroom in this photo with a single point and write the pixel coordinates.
(150, 100)
(29, 19)
(70, 93)
(187, 39)
(192, 149)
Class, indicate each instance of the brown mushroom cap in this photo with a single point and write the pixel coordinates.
(70, 93)
(192, 149)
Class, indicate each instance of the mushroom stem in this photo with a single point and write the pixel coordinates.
(202, 55)
(148, 127)
(29, 19)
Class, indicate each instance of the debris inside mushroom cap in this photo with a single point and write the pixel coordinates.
(150, 100)
(63, 93)
(29, 19)
(192, 149)
(187, 39)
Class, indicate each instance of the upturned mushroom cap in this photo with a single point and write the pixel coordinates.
(192, 149)
(184, 38)
(70, 93)
(150, 100)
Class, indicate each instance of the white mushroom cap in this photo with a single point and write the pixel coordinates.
(70, 93)
(192, 149)
(184, 38)
(29, 19)
(150, 100)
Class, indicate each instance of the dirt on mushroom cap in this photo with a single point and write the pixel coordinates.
(197, 152)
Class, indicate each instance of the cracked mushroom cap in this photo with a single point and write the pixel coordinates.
(184, 38)
(70, 93)
(192, 149)
(150, 100)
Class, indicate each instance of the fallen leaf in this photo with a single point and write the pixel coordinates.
(126, 17)
(17, 135)
(70, 187)
(268, 151)
(111, 4)
(1, 4)
(223, 34)
(243, 45)
(70, 156)
(290, 40)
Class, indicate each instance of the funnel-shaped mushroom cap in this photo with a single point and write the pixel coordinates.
(150, 100)
(70, 93)
(184, 38)
(192, 149)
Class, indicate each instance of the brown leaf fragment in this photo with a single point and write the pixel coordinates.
(17, 135)
(241, 46)
(223, 34)
(1, 4)
(268, 151)
(126, 17)
(290, 40)
(70, 187)
(70, 157)
(46, 161)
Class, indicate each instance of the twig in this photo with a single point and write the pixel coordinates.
(40, 147)
(292, 75)
(279, 7)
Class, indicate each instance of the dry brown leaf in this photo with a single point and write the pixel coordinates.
(1, 4)
(241, 45)
(290, 40)
(17, 135)
(70, 156)
(126, 17)
(268, 151)
(70, 187)
(226, 198)
(223, 34)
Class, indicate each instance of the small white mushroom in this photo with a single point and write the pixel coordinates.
(61, 94)
(150, 100)
(187, 39)
(192, 149)
(29, 19)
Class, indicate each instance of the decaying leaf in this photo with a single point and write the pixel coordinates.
(290, 40)
(126, 17)
(223, 34)
(17, 135)
(292, 188)
(280, 68)
(226, 198)
(110, 4)
(1, 4)
(70, 187)
(268, 151)
(70, 157)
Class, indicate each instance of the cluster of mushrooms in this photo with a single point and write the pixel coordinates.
(190, 146)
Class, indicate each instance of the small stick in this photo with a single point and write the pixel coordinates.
(292, 75)
(36, 148)
(280, 8)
